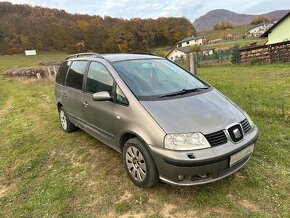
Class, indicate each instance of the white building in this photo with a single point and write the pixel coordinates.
(180, 53)
(279, 32)
(259, 29)
(190, 41)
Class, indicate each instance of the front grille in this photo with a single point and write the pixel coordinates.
(236, 136)
(246, 125)
(216, 138)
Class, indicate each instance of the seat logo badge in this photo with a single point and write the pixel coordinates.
(237, 133)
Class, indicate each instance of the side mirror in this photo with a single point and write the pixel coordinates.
(101, 96)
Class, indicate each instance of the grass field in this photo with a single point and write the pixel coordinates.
(45, 172)
(217, 34)
(228, 44)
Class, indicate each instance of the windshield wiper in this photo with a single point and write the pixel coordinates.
(183, 91)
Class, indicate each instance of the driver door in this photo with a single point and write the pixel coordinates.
(99, 115)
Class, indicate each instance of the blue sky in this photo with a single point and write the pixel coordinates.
(191, 9)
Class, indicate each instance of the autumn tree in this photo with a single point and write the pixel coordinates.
(25, 27)
(223, 26)
(259, 19)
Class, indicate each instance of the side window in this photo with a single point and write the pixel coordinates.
(99, 79)
(61, 74)
(120, 97)
(76, 74)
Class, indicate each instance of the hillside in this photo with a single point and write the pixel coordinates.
(213, 17)
(25, 27)
(218, 34)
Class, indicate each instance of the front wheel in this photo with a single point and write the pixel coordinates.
(139, 164)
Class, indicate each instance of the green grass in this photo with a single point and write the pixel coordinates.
(236, 31)
(45, 172)
(225, 45)
(218, 34)
(161, 51)
(20, 60)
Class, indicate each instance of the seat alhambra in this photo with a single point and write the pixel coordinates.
(168, 124)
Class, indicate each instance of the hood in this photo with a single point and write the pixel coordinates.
(206, 112)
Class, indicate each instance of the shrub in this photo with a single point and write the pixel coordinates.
(223, 26)
(259, 19)
(236, 56)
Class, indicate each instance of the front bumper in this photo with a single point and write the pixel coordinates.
(200, 166)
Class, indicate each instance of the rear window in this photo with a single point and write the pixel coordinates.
(61, 74)
(76, 74)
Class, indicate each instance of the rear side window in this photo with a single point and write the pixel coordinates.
(61, 74)
(99, 79)
(76, 74)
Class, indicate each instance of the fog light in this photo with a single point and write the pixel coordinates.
(180, 177)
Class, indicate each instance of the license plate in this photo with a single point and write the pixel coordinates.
(235, 158)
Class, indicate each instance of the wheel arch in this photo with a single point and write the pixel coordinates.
(59, 105)
(128, 135)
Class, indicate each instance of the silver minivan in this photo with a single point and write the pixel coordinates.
(168, 124)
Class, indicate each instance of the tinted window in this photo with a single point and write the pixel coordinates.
(99, 79)
(76, 74)
(120, 97)
(61, 74)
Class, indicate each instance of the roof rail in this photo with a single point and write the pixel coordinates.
(85, 54)
(143, 53)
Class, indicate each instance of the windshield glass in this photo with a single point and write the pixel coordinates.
(156, 77)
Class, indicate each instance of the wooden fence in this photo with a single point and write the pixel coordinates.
(274, 53)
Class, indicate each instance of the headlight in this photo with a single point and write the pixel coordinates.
(249, 119)
(187, 141)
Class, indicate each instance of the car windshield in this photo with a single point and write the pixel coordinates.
(157, 78)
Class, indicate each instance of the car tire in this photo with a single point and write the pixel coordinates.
(65, 123)
(139, 163)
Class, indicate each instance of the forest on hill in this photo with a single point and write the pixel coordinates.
(25, 27)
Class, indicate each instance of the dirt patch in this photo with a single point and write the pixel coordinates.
(248, 205)
(218, 212)
(239, 175)
(130, 214)
(126, 196)
(4, 189)
(167, 210)
(7, 106)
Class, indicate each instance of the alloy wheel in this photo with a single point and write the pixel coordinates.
(63, 120)
(136, 164)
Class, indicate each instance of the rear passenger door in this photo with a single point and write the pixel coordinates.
(99, 115)
(73, 100)
(60, 81)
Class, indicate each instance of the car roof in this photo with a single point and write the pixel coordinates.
(115, 57)
(124, 57)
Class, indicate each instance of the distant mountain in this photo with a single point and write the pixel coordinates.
(213, 17)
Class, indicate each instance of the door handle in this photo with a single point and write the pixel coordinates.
(85, 103)
(64, 95)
